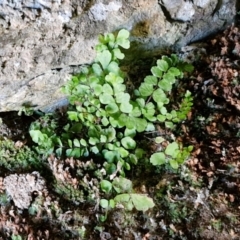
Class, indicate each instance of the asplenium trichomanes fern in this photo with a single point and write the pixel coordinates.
(104, 118)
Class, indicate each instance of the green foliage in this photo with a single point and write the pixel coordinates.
(124, 197)
(106, 120)
(4, 199)
(172, 155)
(69, 192)
(16, 237)
(131, 200)
(16, 156)
(44, 133)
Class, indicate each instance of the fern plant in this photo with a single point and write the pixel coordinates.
(106, 120)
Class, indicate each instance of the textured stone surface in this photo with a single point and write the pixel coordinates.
(42, 42)
(21, 188)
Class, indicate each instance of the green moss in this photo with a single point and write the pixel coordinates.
(16, 156)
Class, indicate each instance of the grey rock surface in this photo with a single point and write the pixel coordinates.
(43, 42)
(21, 187)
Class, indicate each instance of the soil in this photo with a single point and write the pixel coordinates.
(200, 201)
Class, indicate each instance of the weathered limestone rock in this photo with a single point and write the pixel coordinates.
(42, 42)
(21, 188)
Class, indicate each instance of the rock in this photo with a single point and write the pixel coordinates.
(43, 42)
(21, 187)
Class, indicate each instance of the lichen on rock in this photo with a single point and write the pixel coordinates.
(20, 187)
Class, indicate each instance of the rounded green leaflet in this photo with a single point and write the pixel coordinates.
(128, 143)
(168, 60)
(37, 136)
(91, 109)
(110, 132)
(159, 139)
(169, 124)
(188, 94)
(123, 33)
(114, 123)
(124, 199)
(103, 203)
(190, 148)
(169, 116)
(146, 89)
(156, 72)
(127, 121)
(101, 47)
(104, 58)
(93, 140)
(114, 78)
(111, 78)
(110, 156)
(121, 184)
(126, 107)
(149, 111)
(109, 37)
(150, 107)
(104, 121)
(113, 67)
(110, 168)
(76, 152)
(103, 139)
(142, 202)
(97, 89)
(122, 38)
(73, 116)
(130, 132)
(106, 98)
(174, 71)
(140, 102)
(136, 112)
(123, 152)
(123, 43)
(162, 65)
(133, 159)
(112, 108)
(175, 59)
(158, 158)
(165, 85)
(76, 142)
(122, 97)
(150, 127)
(97, 69)
(111, 203)
(168, 77)
(140, 124)
(172, 149)
(106, 186)
(93, 80)
(149, 115)
(118, 54)
(159, 96)
(163, 111)
(173, 163)
(83, 142)
(174, 113)
(127, 166)
(119, 87)
(106, 88)
(151, 80)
